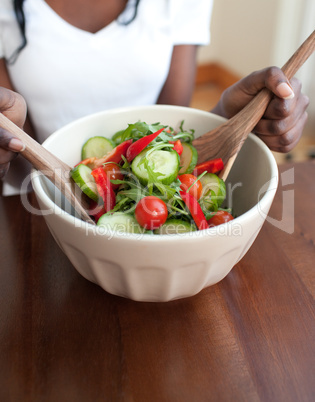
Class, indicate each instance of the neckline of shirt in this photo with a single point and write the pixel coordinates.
(67, 25)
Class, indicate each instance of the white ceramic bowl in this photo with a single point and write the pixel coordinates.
(159, 268)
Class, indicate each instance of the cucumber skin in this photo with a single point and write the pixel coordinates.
(76, 176)
(219, 189)
(85, 154)
(193, 160)
(111, 220)
(144, 181)
(188, 227)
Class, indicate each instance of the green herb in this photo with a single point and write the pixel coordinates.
(135, 131)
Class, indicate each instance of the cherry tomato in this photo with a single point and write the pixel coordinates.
(96, 210)
(151, 212)
(187, 180)
(114, 173)
(219, 218)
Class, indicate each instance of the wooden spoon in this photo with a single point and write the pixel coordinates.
(226, 140)
(52, 167)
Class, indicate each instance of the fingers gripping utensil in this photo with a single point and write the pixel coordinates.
(226, 140)
(57, 171)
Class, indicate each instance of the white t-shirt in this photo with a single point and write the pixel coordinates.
(65, 73)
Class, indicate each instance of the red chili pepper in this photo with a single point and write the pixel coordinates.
(115, 156)
(117, 152)
(140, 144)
(212, 166)
(104, 188)
(195, 210)
(178, 147)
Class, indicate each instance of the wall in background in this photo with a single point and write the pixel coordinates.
(248, 35)
(242, 33)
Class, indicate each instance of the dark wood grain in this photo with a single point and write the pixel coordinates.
(226, 140)
(248, 338)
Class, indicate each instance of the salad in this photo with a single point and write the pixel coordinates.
(146, 179)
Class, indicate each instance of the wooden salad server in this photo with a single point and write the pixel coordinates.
(226, 140)
(57, 171)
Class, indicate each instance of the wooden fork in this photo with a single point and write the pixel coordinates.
(226, 140)
(57, 171)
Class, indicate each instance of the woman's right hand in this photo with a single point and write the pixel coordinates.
(13, 106)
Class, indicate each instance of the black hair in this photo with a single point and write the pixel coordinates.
(20, 17)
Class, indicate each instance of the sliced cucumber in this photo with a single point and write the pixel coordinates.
(81, 174)
(213, 191)
(164, 162)
(120, 222)
(96, 146)
(175, 226)
(188, 158)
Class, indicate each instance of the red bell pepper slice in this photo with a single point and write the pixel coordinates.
(211, 166)
(178, 147)
(195, 210)
(115, 155)
(140, 144)
(104, 188)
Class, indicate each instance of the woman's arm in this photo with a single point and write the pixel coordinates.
(179, 84)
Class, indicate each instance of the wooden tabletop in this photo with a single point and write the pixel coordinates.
(249, 338)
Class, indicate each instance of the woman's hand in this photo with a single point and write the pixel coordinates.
(13, 106)
(282, 124)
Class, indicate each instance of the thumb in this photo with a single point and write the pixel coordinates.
(272, 78)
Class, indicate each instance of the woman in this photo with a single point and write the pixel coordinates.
(69, 59)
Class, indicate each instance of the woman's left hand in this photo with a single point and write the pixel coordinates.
(283, 122)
